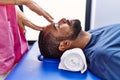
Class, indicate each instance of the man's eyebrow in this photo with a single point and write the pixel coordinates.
(54, 26)
(68, 22)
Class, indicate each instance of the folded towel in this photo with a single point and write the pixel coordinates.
(73, 60)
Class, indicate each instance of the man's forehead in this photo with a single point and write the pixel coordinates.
(48, 29)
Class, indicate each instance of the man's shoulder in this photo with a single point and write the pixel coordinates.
(107, 27)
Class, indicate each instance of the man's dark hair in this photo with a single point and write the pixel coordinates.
(49, 44)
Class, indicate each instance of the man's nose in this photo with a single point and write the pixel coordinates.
(63, 20)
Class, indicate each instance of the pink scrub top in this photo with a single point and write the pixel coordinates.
(12, 40)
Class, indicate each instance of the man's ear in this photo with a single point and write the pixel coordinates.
(64, 45)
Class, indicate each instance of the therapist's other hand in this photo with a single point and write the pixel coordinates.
(23, 21)
(36, 8)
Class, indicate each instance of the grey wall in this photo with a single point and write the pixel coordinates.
(104, 12)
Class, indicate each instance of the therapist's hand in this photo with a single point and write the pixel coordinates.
(23, 21)
(31, 5)
(35, 8)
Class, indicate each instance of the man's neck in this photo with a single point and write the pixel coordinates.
(82, 40)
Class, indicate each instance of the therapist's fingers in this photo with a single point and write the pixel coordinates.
(48, 16)
(31, 25)
(23, 21)
(37, 9)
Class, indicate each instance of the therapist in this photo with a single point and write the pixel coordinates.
(12, 40)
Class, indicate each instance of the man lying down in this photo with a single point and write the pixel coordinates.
(101, 46)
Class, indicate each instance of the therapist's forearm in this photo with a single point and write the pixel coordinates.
(15, 2)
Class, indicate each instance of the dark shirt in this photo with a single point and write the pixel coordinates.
(103, 52)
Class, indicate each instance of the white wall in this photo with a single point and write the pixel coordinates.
(105, 12)
(70, 9)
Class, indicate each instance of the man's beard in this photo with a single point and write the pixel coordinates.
(76, 28)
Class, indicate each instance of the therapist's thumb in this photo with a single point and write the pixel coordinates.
(32, 25)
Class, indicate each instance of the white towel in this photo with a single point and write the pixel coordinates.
(73, 60)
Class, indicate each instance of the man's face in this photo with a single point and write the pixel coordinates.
(63, 28)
